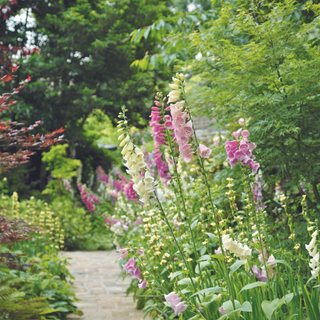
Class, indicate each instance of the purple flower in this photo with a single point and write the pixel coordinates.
(245, 133)
(204, 151)
(261, 275)
(241, 121)
(222, 310)
(237, 133)
(140, 251)
(137, 274)
(123, 255)
(130, 266)
(142, 284)
(216, 141)
(256, 271)
(177, 306)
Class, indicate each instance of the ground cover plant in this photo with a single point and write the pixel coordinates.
(208, 251)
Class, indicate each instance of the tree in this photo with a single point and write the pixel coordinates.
(260, 62)
(85, 63)
(12, 133)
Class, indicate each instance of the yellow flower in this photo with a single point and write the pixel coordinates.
(292, 236)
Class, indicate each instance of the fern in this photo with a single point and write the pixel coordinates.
(14, 306)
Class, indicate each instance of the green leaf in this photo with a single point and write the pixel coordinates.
(245, 307)
(146, 32)
(204, 258)
(256, 245)
(291, 316)
(185, 281)
(194, 224)
(175, 274)
(211, 290)
(164, 270)
(254, 285)
(218, 256)
(203, 264)
(288, 297)
(184, 291)
(236, 266)
(229, 309)
(279, 261)
(269, 307)
(211, 235)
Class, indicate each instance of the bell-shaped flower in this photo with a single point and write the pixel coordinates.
(145, 198)
(148, 177)
(183, 141)
(179, 308)
(315, 272)
(311, 245)
(187, 129)
(244, 146)
(245, 133)
(130, 266)
(237, 133)
(187, 158)
(241, 121)
(204, 151)
(137, 274)
(139, 154)
(176, 303)
(168, 125)
(314, 262)
(172, 298)
(140, 251)
(174, 86)
(124, 141)
(231, 145)
(252, 146)
(122, 256)
(184, 151)
(263, 275)
(127, 148)
(226, 241)
(142, 284)
(174, 95)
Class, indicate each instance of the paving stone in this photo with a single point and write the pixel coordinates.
(100, 287)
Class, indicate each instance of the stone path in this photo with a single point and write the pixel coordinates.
(102, 292)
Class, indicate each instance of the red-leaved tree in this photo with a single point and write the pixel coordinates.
(15, 134)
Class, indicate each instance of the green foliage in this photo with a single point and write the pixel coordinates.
(260, 64)
(59, 164)
(79, 71)
(62, 168)
(64, 223)
(15, 305)
(98, 127)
